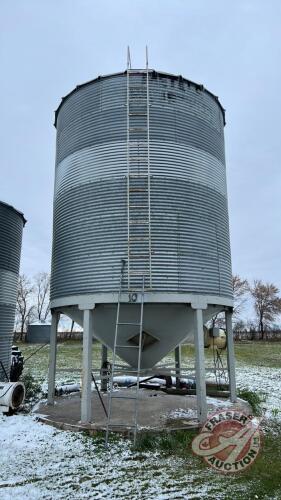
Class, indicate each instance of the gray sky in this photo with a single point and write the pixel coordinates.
(233, 48)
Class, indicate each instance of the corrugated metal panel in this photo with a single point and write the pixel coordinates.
(154, 75)
(11, 225)
(97, 115)
(8, 287)
(96, 162)
(7, 318)
(189, 217)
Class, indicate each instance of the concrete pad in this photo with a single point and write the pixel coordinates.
(156, 411)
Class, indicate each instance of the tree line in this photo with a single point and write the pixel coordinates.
(33, 303)
(266, 301)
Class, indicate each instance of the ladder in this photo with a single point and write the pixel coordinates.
(138, 177)
(134, 396)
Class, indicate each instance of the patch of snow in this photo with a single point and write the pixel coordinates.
(40, 462)
(264, 380)
(181, 413)
(218, 403)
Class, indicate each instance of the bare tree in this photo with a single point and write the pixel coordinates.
(239, 326)
(41, 291)
(267, 303)
(24, 307)
(240, 291)
(218, 321)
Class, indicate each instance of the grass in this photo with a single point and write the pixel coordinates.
(259, 353)
(32, 386)
(254, 398)
(262, 480)
(177, 442)
(265, 473)
(251, 353)
(69, 355)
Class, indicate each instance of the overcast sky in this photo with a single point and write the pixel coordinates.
(232, 47)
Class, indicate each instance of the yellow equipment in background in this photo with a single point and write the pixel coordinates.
(214, 337)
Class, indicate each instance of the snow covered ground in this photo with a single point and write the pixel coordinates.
(265, 380)
(40, 462)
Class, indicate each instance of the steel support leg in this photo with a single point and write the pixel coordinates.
(103, 369)
(52, 358)
(230, 356)
(200, 366)
(86, 403)
(178, 365)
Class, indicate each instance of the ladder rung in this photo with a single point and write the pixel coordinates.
(138, 190)
(139, 273)
(143, 173)
(138, 206)
(127, 371)
(132, 324)
(127, 346)
(138, 89)
(137, 129)
(138, 238)
(139, 256)
(138, 158)
(138, 114)
(138, 143)
(139, 99)
(138, 222)
(137, 149)
(138, 175)
(136, 71)
(139, 155)
(137, 161)
(124, 397)
(122, 425)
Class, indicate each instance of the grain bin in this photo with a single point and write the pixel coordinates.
(38, 332)
(11, 226)
(140, 177)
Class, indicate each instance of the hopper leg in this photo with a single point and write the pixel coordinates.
(103, 365)
(200, 366)
(53, 357)
(86, 403)
(230, 356)
(178, 365)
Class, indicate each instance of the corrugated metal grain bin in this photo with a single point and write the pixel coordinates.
(38, 333)
(98, 185)
(11, 226)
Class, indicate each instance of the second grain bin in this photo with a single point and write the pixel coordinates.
(141, 183)
(11, 226)
(38, 332)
